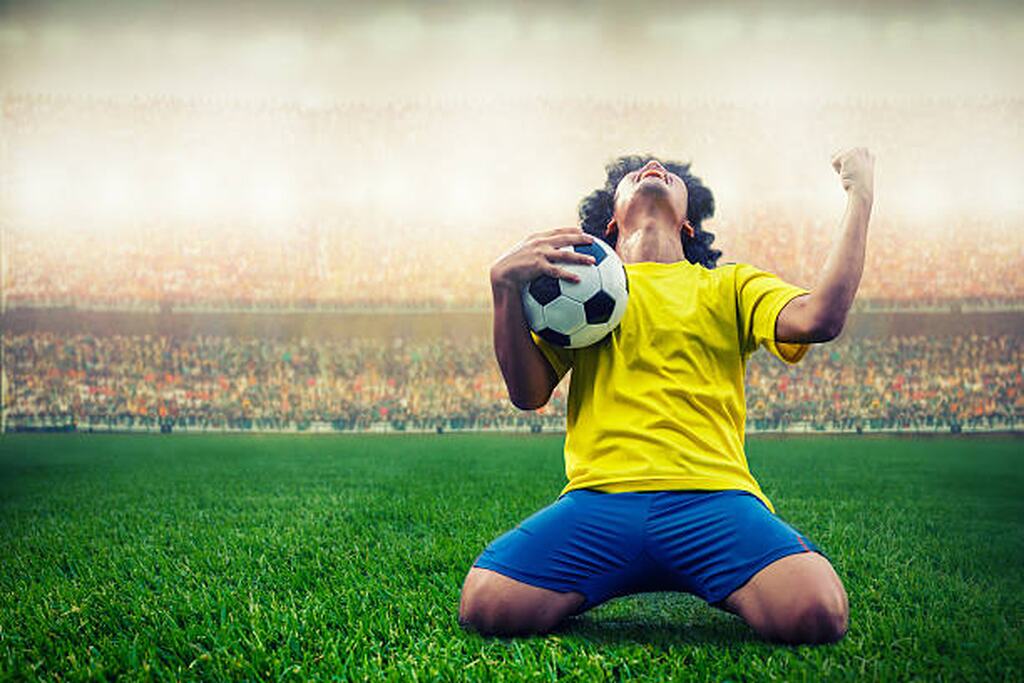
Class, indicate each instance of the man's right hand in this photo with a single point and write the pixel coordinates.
(856, 169)
(540, 254)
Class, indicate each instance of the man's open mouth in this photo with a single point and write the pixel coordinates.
(655, 173)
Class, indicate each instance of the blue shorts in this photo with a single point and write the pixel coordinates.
(605, 545)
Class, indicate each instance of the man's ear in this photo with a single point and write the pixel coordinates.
(612, 227)
(687, 228)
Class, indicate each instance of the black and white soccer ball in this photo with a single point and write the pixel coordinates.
(577, 314)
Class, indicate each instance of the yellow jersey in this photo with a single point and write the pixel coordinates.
(659, 403)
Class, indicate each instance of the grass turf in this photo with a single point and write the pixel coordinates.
(297, 557)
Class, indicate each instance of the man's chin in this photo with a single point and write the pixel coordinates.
(653, 187)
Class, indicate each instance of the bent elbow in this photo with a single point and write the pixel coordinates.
(828, 329)
(525, 403)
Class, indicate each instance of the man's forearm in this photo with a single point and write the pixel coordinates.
(528, 375)
(526, 372)
(837, 284)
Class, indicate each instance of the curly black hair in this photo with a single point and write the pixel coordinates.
(597, 207)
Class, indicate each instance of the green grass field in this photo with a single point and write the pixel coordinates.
(297, 558)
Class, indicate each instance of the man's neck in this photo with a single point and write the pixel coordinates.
(650, 240)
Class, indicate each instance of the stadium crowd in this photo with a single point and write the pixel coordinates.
(212, 382)
(163, 203)
(157, 202)
(336, 268)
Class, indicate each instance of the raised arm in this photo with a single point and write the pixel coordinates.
(529, 377)
(821, 315)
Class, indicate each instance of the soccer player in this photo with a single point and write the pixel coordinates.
(659, 494)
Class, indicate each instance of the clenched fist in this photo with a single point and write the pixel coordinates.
(856, 169)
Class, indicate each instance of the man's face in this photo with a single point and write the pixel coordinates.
(650, 188)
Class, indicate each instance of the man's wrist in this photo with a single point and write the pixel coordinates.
(861, 195)
(502, 287)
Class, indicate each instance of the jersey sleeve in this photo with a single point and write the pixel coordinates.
(559, 358)
(760, 297)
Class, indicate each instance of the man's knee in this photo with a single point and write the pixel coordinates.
(475, 614)
(494, 605)
(490, 613)
(819, 616)
(478, 606)
(798, 599)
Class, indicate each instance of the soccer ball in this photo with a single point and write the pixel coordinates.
(577, 314)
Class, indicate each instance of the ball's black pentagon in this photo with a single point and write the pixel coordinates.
(545, 289)
(592, 249)
(599, 308)
(554, 336)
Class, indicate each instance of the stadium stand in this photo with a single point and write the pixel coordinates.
(199, 249)
(209, 382)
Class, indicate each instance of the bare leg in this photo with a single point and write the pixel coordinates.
(797, 599)
(494, 604)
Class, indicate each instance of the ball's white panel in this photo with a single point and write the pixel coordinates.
(612, 273)
(617, 292)
(533, 311)
(613, 281)
(589, 284)
(589, 334)
(565, 315)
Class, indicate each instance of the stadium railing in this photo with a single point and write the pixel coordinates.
(533, 424)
